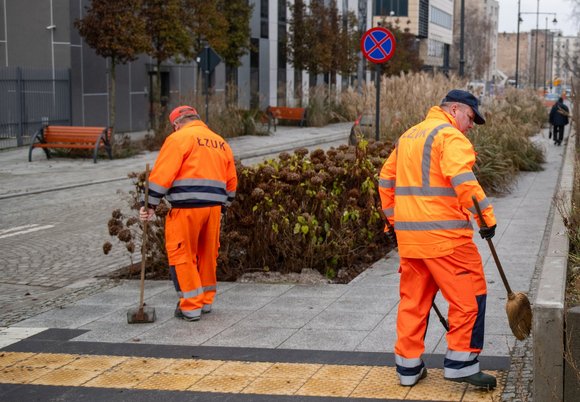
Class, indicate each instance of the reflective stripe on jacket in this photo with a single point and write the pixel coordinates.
(195, 168)
(426, 186)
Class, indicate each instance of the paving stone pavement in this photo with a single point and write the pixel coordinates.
(60, 223)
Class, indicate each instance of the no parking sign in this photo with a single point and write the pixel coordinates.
(378, 45)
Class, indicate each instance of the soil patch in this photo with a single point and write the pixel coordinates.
(307, 276)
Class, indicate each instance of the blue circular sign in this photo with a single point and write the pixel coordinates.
(378, 45)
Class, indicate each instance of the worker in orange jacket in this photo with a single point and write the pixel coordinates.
(425, 187)
(196, 174)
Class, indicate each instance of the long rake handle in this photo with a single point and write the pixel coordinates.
(144, 240)
(492, 248)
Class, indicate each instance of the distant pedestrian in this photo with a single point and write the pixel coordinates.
(195, 172)
(426, 186)
(559, 119)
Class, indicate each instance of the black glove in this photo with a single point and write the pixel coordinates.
(392, 237)
(487, 233)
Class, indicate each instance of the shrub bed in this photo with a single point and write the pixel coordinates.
(320, 210)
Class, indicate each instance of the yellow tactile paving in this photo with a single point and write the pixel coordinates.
(66, 377)
(118, 379)
(190, 375)
(242, 369)
(48, 360)
(22, 375)
(143, 364)
(218, 383)
(353, 373)
(9, 358)
(96, 363)
(292, 370)
(201, 367)
(275, 386)
(380, 383)
(166, 381)
(435, 387)
(327, 387)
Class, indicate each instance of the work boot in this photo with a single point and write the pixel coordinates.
(421, 376)
(206, 309)
(479, 379)
(179, 314)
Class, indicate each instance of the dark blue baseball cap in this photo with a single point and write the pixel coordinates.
(459, 96)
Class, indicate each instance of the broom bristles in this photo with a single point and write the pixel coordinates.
(519, 313)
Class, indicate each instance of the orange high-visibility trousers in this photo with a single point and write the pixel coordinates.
(461, 279)
(192, 242)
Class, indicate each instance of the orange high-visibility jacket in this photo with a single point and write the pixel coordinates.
(426, 186)
(195, 168)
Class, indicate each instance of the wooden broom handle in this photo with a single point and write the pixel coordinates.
(491, 247)
(144, 240)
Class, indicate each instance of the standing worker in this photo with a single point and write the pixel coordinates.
(196, 174)
(559, 119)
(425, 187)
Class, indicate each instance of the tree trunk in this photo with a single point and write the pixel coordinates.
(157, 99)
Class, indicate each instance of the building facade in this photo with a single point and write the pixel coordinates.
(565, 59)
(430, 21)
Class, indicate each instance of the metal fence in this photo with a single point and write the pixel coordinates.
(30, 98)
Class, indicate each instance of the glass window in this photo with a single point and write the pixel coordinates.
(435, 48)
(400, 8)
(441, 18)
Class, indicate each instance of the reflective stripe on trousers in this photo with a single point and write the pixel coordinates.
(408, 370)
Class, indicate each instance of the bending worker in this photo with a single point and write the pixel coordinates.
(426, 186)
(195, 172)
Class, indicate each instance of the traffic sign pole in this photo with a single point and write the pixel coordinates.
(378, 103)
(378, 46)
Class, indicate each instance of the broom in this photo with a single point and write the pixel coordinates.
(143, 314)
(518, 308)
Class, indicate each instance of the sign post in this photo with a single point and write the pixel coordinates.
(378, 46)
(208, 59)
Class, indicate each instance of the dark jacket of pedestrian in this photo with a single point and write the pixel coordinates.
(559, 113)
(559, 118)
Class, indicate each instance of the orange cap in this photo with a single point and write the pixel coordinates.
(182, 111)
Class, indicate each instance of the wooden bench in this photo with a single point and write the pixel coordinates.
(286, 113)
(71, 137)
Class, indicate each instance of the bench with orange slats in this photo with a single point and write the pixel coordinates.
(287, 113)
(72, 137)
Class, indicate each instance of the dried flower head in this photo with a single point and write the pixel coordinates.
(258, 193)
(115, 225)
(107, 246)
(301, 152)
(124, 235)
(132, 221)
(117, 214)
(130, 247)
(162, 209)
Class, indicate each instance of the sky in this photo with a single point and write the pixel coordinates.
(508, 15)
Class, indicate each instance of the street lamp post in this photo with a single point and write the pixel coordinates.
(537, 13)
(545, 53)
(461, 40)
(518, 43)
(536, 52)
